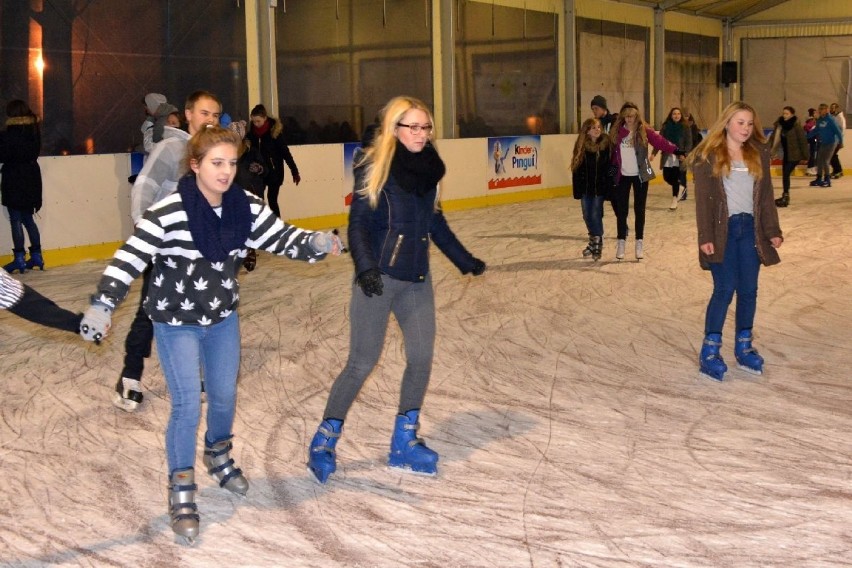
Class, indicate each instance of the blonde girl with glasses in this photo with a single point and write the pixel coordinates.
(393, 219)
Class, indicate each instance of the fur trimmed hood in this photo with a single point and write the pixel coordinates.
(22, 120)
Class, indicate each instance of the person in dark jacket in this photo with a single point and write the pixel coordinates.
(738, 230)
(676, 130)
(21, 187)
(591, 181)
(789, 140)
(395, 215)
(266, 134)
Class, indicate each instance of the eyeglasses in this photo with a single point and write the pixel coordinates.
(417, 128)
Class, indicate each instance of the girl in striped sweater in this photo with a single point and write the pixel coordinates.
(196, 239)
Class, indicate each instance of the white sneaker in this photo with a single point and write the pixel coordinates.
(811, 171)
(673, 206)
(619, 248)
(681, 195)
(640, 254)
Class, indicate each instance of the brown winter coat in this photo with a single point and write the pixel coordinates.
(711, 213)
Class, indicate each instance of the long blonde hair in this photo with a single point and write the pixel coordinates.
(629, 108)
(378, 157)
(715, 144)
(585, 142)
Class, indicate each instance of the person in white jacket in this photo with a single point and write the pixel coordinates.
(157, 180)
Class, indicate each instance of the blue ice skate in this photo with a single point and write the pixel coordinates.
(748, 359)
(322, 459)
(408, 452)
(712, 364)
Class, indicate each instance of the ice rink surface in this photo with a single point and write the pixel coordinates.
(565, 403)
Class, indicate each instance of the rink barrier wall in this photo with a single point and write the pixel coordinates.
(86, 212)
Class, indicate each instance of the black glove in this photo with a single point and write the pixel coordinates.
(370, 282)
(478, 267)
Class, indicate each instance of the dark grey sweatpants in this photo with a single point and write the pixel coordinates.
(413, 305)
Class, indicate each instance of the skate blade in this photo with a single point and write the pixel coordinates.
(185, 540)
(124, 404)
(316, 477)
(709, 376)
(409, 470)
(749, 370)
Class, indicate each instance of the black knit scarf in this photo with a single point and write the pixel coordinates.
(417, 172)
(673, 131)
(215, 237)
(786, 124)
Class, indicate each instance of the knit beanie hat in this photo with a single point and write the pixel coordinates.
(599, 101)
(153, 101)
(238, 126)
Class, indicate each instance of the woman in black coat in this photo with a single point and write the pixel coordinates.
(20, 146)
(267, 136)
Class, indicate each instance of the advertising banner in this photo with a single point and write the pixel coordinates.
(513, 161)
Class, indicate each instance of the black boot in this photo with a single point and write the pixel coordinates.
(784, 200)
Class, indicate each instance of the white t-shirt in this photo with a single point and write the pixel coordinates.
(629, 165)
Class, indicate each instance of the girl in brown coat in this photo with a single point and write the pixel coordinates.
(738, 229)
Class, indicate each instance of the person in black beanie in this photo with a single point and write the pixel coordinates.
(395, 215)
(601, 112)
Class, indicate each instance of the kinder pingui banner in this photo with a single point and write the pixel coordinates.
(513, 161)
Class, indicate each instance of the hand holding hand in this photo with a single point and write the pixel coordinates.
(96, 323)
(328, 243)
(370, 282)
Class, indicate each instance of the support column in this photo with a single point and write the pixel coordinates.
(443, 69)
(268, 74)
(567, 66)
(658, 93)
(252, 55)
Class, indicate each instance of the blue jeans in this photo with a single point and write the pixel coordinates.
(20, 220)
(413, 305)
(738, 273)
(185, 352)
(592, 206)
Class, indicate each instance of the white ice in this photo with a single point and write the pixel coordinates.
(565, 403)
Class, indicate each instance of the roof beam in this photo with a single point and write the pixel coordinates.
(757, 8)
(670, 4)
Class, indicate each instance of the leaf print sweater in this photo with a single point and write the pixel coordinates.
(186, 288)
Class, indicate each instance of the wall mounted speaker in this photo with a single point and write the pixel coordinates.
(728, 72)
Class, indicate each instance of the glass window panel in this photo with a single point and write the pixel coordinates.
(506, 71)
(101, 58)
(613, 61)
(691, 76)
(340, 61)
